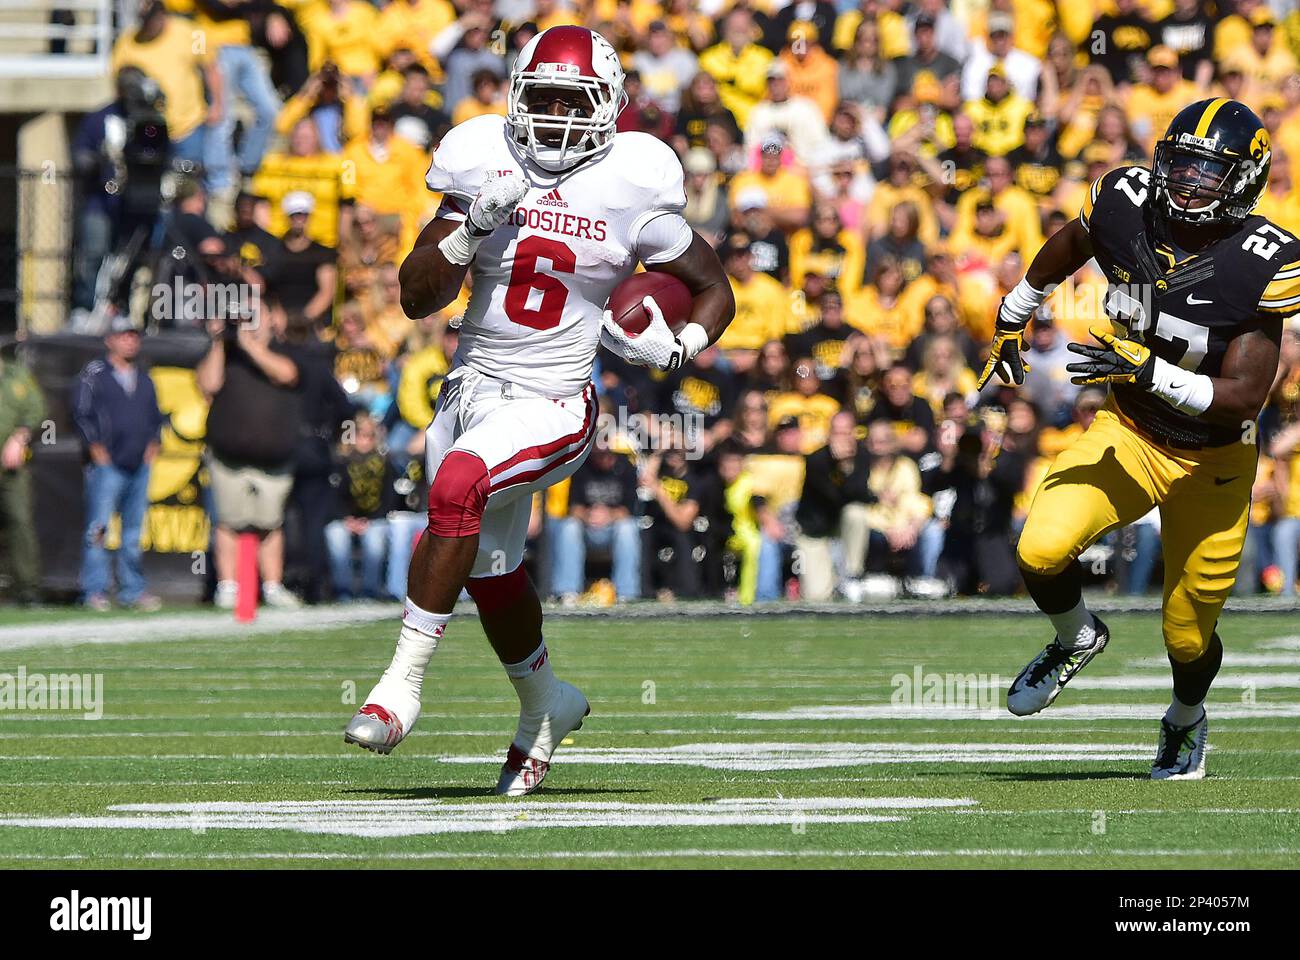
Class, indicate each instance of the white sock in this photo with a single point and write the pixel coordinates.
(1075, 628)
(398, 690)
(534, 681)
(1182, 715)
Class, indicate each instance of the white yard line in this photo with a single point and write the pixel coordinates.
(761, 757)
(1225, 681)
(196, 625)
(1229, 660)
(1088, 711)
(405, 818)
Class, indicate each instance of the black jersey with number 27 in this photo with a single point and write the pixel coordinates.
(1186, 311)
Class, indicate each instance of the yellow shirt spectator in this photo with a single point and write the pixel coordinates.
(999, 127)
(842, 260)
(356, 119)
(741, 76)
(813, 412)
(418, 386)
(344, 32)
(321, 175)
(784, 190)
(762, 307)
(170, 60)
(895, 34)
(1018, 208)
(389, 178)
(1150, 111)
(472, 107)
(890, 320)
(815, 76)
(412, 24)
(887, 196)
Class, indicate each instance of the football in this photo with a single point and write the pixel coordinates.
(670, 293)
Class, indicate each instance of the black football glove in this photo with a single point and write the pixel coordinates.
(1115, 361)
(1006, 354)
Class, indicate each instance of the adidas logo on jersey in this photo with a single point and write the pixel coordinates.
(552, 199)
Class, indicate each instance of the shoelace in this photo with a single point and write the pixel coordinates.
(1172, 741)
(1053, 656)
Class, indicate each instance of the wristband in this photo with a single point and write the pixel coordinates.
(1183, 390)
(460, 245)
(693, 339)
(1022, 301)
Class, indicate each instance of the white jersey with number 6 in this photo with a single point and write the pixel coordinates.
(540, 283)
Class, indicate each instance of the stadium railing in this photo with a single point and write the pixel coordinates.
(29, 36)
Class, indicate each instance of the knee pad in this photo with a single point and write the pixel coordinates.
(458, 495)
(1038, 554)
(1184, 640)
(495, 593)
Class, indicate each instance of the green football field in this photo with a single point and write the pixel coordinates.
(714, 741)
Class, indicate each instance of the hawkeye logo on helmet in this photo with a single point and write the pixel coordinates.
(1259, 145)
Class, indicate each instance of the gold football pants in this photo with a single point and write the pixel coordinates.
(1111, 476)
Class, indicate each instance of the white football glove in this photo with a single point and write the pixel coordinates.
(494, 204)
(655, 346)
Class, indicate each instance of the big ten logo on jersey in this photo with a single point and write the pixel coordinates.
(493, 174)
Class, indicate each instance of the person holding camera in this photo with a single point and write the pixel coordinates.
(980, 476)
(250, 377)
(162, 47)
(331, 102)
(101, 160)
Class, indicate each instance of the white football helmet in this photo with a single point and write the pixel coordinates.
(568, 58)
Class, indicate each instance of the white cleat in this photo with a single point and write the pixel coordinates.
(1045, 676)
(1181, 753)
(529, 756)
(374, 728)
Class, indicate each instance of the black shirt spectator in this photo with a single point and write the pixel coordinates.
(292, 276)
(1189, 32)
(1120, 39)
(829, 484)
(593, 486)
(253, 420)
(700, 391)
(366, 485)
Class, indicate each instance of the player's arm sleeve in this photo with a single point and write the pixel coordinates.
(1281, 298)
(662, 183)
(454, 170)
(662, 239)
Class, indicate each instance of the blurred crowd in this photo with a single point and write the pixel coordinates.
(874, 175)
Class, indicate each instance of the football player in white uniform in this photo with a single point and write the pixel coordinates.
(548, 209)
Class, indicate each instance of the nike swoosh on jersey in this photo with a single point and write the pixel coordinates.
(1194, 301)
(1220, 481)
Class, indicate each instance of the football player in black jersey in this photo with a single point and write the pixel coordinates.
(1198, 289)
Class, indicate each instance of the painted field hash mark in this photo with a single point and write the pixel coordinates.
(408, 818)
